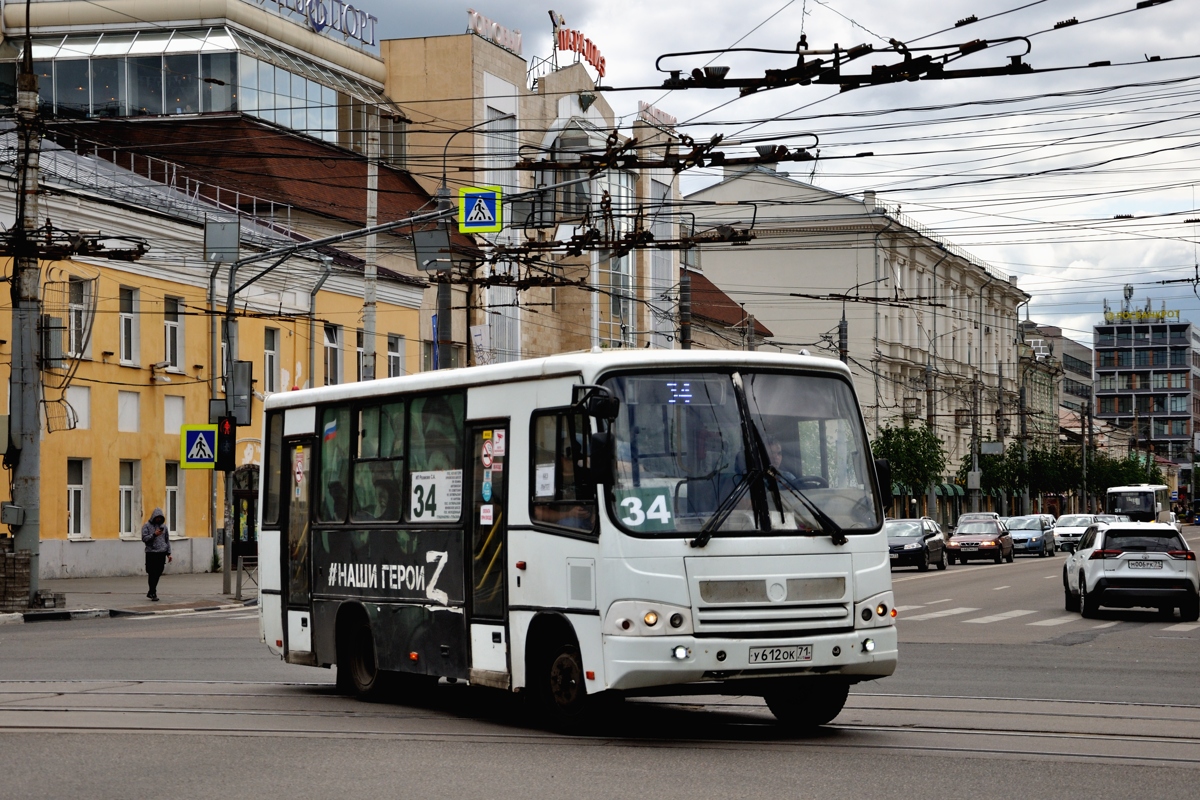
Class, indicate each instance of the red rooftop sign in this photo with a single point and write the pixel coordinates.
(576, 42)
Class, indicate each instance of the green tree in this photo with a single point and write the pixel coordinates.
(917, 455)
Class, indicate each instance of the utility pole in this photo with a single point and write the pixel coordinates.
(1087, 408)
(24, 446)
(749, 340)
(370, 271)
(975, 444)
(844, 338)
(1000, 427)
(931, 497)
(1024, 446)
(444, 333)
(1091, 442)
(685, 308)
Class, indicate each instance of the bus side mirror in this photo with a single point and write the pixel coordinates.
(883, 473)
(603, 406)
(602, 457)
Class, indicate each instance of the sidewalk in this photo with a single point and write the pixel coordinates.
(125, 596)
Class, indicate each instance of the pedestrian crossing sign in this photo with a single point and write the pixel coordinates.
(479, 209)
(198, 446)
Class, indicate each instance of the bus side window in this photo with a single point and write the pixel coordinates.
(273, 474)
(335, 465)
(378, 464)
(561, 495)
(436, 433)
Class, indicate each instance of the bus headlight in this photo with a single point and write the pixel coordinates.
(647, 618)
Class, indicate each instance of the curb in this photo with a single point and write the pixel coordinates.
(166, 612)
(54, 615)
(63, 614)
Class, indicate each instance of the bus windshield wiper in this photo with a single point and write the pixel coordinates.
(824, 520)
(724, 509)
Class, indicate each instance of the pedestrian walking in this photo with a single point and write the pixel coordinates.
(158, 549)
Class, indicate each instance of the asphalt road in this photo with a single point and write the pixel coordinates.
(1000, 693)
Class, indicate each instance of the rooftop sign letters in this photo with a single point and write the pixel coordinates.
(576, 42)
(494, 31)
(651, 114)
(1142, 315)
(329, 15)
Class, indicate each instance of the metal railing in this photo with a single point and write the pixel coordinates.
(247, 573)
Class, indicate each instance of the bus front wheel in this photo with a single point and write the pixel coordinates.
(806, 704)
(561, 693)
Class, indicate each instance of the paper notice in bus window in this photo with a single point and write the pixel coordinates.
(498, 444)
(436, 496)
(485, 515)
(543, 480)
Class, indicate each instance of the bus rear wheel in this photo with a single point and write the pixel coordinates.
(806, 704)
(358, 670)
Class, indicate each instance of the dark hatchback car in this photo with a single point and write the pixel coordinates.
(916, 542)
(984, 539)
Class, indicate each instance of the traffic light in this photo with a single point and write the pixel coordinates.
(226, 441)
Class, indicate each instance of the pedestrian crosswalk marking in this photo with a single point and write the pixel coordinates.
(900, 609)
(1183, 627)
(200, 450)
(1104, 625)
(949, 612)
(1000, 617)
(480, 213)
(1056, 621)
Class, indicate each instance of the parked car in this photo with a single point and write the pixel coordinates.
(916, 542)
(981, 539)
(1032, 534)
(1132, 564)
(1070, 528)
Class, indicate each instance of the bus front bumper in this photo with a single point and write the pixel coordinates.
(639, 662)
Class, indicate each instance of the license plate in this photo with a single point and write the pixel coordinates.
(1145, 564)
(786, 654)
(969, 547)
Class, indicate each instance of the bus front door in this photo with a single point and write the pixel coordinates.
(297, 559)
(487, 526)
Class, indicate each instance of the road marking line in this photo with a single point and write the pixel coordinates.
(935, 602)
(1104, 625)
(1000, 617)
(906, 608)
(949, 612)
(1050, 577)
(1056, 621)
(998, 588)
(1184, 627)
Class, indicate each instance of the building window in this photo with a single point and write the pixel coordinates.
(129, 502)
(172, 323)
(395, 355)
(129, 326)
(1179, 404)
(1107, 383)
(78, 523)
(76, 317)
(333, 364)
(359, 355)
(429, 356)
(174, 500)
(128, 412)
(1179, 380)
(271, 360)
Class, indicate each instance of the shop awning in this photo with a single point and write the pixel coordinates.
(958, 490)
(937, 489)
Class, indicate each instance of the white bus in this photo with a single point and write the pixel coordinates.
(616, 522)
(1145, 502)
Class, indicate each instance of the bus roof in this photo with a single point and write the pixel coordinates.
(586, 365)
(1139, 487)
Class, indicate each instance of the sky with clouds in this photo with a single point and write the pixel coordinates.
(1033, 173)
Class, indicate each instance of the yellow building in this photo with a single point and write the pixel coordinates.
(244, 112)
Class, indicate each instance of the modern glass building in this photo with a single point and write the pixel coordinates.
(1146, 379)
(210, 70)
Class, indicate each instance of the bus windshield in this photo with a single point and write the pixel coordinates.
(739, 453)
(1138, 505)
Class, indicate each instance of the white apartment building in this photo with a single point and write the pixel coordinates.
(932, 330)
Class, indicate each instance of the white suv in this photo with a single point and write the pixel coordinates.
(1131, 564)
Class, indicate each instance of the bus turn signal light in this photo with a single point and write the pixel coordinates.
(413, 656)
